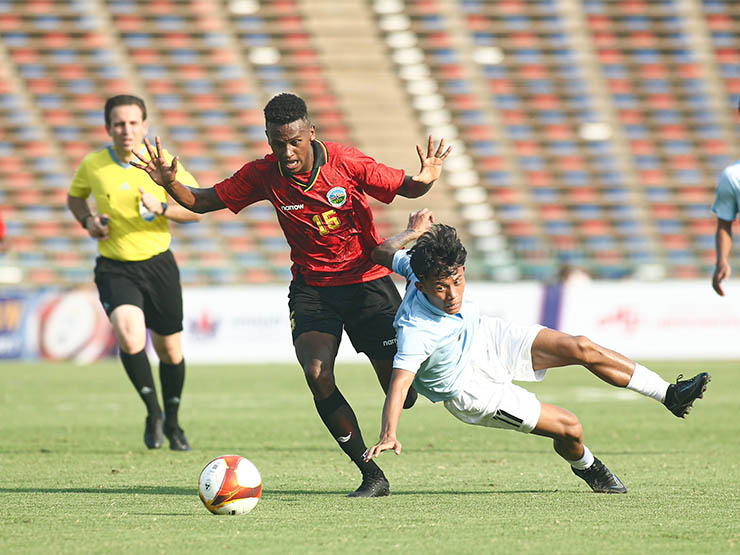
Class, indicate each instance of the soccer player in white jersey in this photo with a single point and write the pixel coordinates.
(454, 355)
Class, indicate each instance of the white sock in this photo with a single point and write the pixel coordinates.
(648, 383)
(585, 461)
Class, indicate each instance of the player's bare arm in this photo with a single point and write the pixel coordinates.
(165, 175)
(419, 223)
(431, 168)
(401, 381)
(95, 224)
(723, 240)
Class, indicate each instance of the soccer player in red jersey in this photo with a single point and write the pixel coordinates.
(319, 190)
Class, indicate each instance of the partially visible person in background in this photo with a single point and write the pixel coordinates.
(726, 206)
(136, 275)
(2, 233)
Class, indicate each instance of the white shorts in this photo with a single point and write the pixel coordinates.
(502, 352)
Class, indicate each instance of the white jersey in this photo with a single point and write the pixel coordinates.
(727, 197)
(436, 346)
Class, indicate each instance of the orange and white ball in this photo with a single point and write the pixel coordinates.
(230, 485)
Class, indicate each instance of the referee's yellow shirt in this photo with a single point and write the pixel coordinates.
(115, 186)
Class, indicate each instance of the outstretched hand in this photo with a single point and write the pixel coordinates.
(385, 444)
(721, 273)
(162, 173)
(431, 164)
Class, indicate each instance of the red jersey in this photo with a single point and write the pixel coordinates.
(324, 213)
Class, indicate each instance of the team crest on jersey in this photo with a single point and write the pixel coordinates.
(337, 196)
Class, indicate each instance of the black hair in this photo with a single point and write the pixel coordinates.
(285, 108)
(123, 100)
(438, 253)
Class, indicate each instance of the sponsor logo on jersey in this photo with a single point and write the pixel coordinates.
(337, 196)
(291, 207)
(389, 342)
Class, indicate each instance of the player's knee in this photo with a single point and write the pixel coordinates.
(572, 429)
(319, 377)
(130, 344)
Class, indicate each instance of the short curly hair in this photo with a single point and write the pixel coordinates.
(285, 108)
(438, 253)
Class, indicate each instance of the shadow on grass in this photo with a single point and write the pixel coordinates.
(146, 490)
(396, 493)
(158, 490)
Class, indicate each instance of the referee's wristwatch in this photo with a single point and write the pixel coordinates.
(164, 208)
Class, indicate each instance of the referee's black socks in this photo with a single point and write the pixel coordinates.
(172, 379)
(341, 421)
(140, 373)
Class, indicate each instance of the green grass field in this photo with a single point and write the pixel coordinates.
(75, 476)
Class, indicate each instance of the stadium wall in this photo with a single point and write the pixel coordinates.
(666, 320)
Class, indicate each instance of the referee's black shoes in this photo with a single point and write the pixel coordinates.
(178, 441)
(682, 394)
(153, 433)
(600, 478)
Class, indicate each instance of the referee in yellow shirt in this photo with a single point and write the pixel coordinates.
(136, 275)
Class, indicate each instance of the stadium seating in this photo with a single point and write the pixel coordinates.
(591, 137)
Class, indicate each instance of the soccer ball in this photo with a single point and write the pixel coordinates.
(230, 485)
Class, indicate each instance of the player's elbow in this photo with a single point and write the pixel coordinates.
(380, 256)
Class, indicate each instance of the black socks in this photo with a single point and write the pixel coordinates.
(341, 422)
(172, 378)
(140, 373)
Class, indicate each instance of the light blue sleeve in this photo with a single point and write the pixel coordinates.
(413, 349)
(725, 202)
(402, 264)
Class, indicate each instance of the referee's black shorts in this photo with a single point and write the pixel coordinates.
(152, 284)
(365, 310)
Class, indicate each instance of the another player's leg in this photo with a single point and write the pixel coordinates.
(172, 380)
(130, 329)
(316, 352)
(567, 435)
(384, 371)
(552, 348)
(368, 312)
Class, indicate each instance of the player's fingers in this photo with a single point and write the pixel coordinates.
(174, 164)
(445, 153)
(430, 146)
(158, 142)
(440, 148)
(149, 148)
(136, 165)
(139, 156)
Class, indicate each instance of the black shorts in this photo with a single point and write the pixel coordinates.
(365, 310)
(153, 285)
